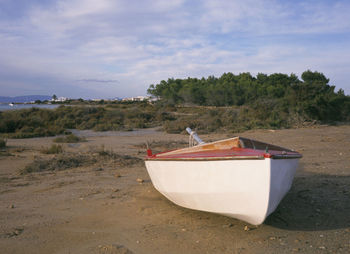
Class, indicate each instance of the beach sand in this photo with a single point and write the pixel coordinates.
(111, 208)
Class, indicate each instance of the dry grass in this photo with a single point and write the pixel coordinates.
(58, 163)
(119, 159)
(65, 161)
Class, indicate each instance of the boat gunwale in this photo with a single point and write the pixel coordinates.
(258, 157)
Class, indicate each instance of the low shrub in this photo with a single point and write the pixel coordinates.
(118, 159)
(65, 161)
(3, 143)
(71, 138)
(60, 162)
(53, 149)
(162, 146)
(177, 126)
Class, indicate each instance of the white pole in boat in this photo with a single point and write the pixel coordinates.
(194, 135)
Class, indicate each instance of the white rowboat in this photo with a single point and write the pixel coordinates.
(238, 177)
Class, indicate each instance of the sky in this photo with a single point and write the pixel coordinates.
(117, 48)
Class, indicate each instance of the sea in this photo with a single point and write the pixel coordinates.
(4, 107)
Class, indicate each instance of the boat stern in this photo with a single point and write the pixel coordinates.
(282, 172)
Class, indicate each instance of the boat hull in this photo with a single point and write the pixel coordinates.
(246, 189)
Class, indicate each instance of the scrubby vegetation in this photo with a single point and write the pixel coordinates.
(36, 122)
(27, 123)
(3, 150)
(65, 161)
(234, 119)
(71, 138)
(118, 159)
(53, 149)
(230, 103)
(159, 146)
(60, 162)
(3, 143)
(164, 145)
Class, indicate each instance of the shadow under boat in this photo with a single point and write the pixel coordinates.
(314, 202)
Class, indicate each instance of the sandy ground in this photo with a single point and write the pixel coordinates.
(102, 208)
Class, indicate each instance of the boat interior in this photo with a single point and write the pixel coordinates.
(236, 142)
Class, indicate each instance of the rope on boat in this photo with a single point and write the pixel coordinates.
(191, 141)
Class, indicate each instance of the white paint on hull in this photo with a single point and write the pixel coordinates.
(248, 190)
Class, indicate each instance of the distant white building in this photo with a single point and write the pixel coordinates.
(140, 98)
(152, 99)
(60, 99)
(137, 98)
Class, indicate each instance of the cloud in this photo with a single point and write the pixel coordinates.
(98, 80)
(265, 17)
(134, 44)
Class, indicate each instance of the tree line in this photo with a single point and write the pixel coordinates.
(312, 96)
